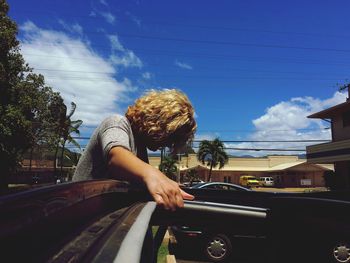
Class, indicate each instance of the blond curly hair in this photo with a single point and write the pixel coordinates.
(164, 116)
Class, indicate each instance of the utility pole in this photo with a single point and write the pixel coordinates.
(178, 167)
(346, 86)
(161, 154)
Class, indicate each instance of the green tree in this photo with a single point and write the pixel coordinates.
(168, 167)
(23, 101)
(67, 128)
(59, 110)
(192, 175)
(45, 127)
(212, 153)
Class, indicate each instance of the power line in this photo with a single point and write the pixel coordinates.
(231, 43)
(76, 71)
(215, 57)
(285, 130)
(233, 69)
(198, 77)
(212, 42)
(226, 148)
(162, 23)
(236, 141)
(265, 149)
(277, 141)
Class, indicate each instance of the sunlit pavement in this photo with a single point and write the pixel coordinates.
(290, 189)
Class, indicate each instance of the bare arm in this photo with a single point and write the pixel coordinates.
(125, 165)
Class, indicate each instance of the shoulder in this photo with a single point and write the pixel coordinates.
(114, 121)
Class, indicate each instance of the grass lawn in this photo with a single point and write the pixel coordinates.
(163, 250)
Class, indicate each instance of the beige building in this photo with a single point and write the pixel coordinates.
(337, 151)
(287, 171)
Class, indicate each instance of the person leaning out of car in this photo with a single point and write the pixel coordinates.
(118, 147)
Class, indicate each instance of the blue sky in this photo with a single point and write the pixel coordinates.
(253, 69)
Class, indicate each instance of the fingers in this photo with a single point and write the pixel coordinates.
(165, 192)
(174, 199)
(186, 196)
(163, 201)
(179, 200)
(169, 197)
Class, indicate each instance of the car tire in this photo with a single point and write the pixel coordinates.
(218, 248)
(340, 252)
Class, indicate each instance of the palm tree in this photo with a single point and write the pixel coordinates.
(59, 111)
(67, 128)
(212, 153)
(168, 167)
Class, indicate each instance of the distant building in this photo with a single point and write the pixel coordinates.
(336, 152)
(287, 171)
(38, 172)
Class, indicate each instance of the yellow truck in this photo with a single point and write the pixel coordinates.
(249, 181)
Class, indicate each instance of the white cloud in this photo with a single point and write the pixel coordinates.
(115, 43)
(285, 115)
(108, 17)
(183, 65)
(146, 75)
(75, 28)
(292, 115)
(288, 120)
(103, 2)
(121, 56)
(101, 8)
(71, 67)
(133, 18)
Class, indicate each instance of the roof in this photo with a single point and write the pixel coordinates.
(280, 167)
(333, 111)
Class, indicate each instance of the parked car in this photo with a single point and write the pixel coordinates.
(266, 181)
(300, 227)
(220, 186)
(192, 183)
(215, 245)
(249, 181)
(220, 245)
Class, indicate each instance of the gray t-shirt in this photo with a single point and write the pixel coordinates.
(113, 131)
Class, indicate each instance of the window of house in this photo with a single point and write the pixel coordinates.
(346, 119)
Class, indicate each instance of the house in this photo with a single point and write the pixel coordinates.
(287, 171)
(337, 151)
(38, 171)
